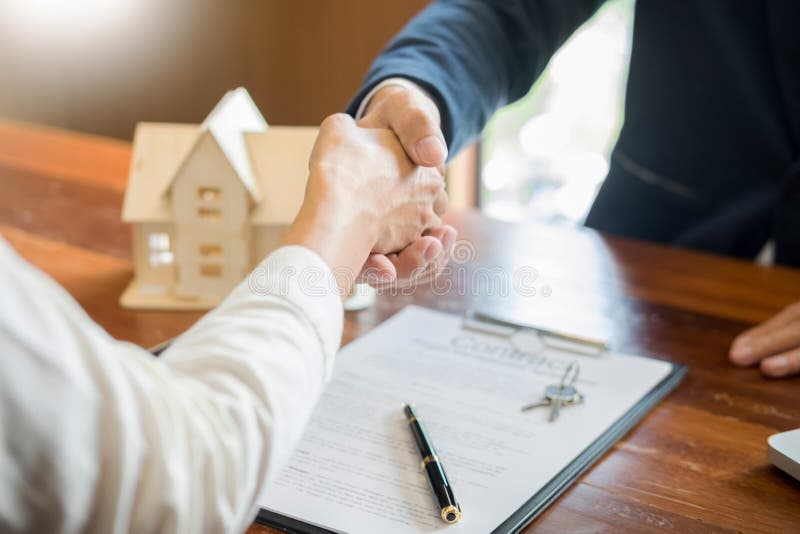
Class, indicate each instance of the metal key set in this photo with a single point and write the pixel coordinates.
(561, 394)
(533, 339)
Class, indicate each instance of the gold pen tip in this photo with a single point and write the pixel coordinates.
(451, 514)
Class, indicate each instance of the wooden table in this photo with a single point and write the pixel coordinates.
(696, 463)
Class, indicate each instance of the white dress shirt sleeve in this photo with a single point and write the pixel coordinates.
(97, 435)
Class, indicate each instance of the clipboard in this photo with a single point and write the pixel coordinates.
(538, 502)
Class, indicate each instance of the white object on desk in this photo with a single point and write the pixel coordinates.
(361, 297)
(784, 451)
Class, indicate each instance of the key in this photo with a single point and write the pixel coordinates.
(568, 396)
(557, 396)
(538, 404)
(560, 395)
(566, 393)
(554, 409)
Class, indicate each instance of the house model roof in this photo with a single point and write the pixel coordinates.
(280, 160)
(235, 115)
(272, 162)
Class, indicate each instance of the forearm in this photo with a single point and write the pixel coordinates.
(474, 57)
(254, 368)
(180, 443)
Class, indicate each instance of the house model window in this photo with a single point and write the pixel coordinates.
(210, 269)
(160, 253)
(209, 194)
(209, 213)
(210, 250)
(210, 256)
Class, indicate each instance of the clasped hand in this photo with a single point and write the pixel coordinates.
(366, 199)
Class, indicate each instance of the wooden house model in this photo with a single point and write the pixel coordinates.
(208, 202)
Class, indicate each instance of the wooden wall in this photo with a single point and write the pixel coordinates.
(100, 66)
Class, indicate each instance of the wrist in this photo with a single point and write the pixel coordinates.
(329, 225)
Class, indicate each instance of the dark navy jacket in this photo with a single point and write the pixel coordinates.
(708, 155)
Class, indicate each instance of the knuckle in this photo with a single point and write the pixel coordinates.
(397, 96)
(441, 203)
(433, 187)
(336, 120)
(416, 118)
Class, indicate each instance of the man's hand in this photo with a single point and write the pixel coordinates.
(419, 262)
(364, 196)
(774, 344)
(414, 118)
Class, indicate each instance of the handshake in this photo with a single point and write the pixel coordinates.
(375, 194)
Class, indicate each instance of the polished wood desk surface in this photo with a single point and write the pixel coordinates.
(696, 463)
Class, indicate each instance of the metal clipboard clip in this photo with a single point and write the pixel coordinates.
(527, 337)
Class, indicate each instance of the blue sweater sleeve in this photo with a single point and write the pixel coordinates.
(475, 56)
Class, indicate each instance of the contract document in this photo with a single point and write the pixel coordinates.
(357, 470)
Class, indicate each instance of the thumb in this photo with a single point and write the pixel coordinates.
(420, 135)
(414, 118)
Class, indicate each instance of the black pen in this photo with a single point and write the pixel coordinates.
(450, 509)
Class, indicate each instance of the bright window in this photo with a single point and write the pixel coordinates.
(159, 249)
(546, 155)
